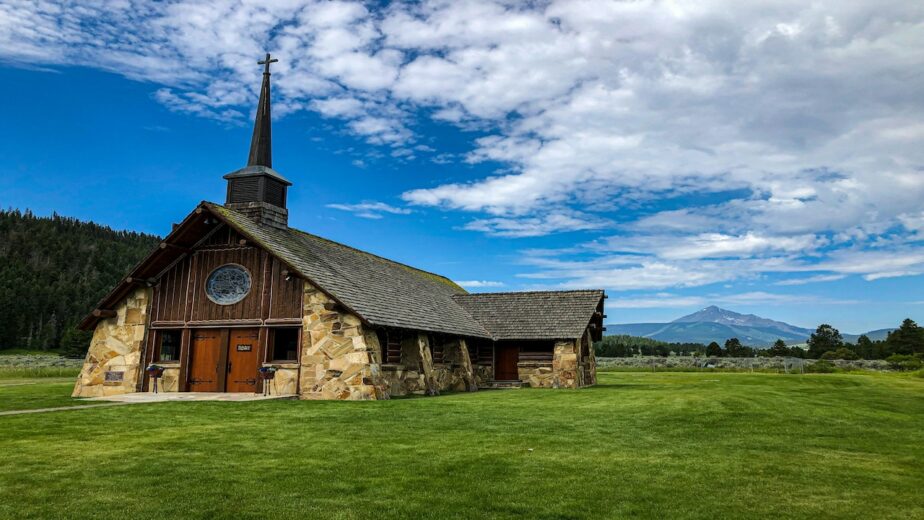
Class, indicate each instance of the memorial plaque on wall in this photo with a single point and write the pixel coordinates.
(115, 377)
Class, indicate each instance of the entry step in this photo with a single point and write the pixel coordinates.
(502, 384)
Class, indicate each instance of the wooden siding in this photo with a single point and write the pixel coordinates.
(180, 299)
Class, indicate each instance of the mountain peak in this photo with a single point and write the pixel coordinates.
(715, 314)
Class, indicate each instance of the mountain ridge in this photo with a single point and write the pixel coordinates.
(713, 323)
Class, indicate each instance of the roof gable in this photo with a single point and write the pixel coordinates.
(379, 291)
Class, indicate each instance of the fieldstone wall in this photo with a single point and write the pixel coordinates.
(537, 374)
(170, 380)
(455, 372)
(116, 348)
(590, 363)
(285, 381)
(337, 362)
(484, 374)
(759, 363)
(565, 366)
(409, 376)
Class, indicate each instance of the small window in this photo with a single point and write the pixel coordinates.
(390, 341)
(169, 345)
(285, 344)
(437, 348)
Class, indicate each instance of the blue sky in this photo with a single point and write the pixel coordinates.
(769, 162)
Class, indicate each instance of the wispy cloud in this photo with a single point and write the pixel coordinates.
(812, 279)
(479, 284)
(370, 209)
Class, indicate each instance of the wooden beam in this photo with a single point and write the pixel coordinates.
(165, 245)
(104, 313)
(141, 281)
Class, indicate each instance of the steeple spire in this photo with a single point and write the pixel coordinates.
(261, 145)
(257, 190)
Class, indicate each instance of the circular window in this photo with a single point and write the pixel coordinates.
(228, 284)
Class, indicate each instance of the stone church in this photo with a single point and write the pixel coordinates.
(233, 290)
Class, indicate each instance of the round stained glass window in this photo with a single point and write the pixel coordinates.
(228, 284)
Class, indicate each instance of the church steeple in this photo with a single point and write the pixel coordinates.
(261, 144)
(257, 190)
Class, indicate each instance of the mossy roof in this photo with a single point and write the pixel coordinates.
(381, 291)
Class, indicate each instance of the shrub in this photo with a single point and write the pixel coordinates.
(822, 366)
(904, 362)
(841, 353)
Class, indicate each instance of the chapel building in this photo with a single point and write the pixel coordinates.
(233, 289)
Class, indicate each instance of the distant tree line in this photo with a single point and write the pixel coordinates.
(903, 346)
(52, 271)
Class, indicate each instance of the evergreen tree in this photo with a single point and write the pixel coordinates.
(75, 342)
(908, 339)
(714, 350)
(824, 339)
(779, 348)
(54, 269)
(865, 348)
(733, 348)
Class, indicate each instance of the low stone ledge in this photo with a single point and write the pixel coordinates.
(760, 363)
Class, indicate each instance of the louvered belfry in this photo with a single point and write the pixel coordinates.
(258, 190)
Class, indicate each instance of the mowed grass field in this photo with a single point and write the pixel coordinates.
(647, 445)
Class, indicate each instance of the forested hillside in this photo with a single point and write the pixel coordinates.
(53, 270)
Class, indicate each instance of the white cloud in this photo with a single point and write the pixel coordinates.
(720, 140)
(479, 284)
(713, 245)
(812, 279)
(661, 301)
(370, 209)
(536, 226)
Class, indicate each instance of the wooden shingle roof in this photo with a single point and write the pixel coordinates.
(533, 315)
(381, 291)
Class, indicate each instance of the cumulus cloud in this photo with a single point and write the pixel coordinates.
(705, 142)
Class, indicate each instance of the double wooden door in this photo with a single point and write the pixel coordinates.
(224, 360)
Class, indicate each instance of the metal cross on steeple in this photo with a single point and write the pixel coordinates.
(261, 145)
(266, 61)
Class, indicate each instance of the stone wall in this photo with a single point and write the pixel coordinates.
(536, 374)
(759, 363)
(455, 372)
(484, 374)
(568, 373)
(337, 360)
(116, 347)
(170, 380)
(285, 380)
(418, 374)
(590, 363)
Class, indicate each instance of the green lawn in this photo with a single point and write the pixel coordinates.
(652, 445)
(28, 394)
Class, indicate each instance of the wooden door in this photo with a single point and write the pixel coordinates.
(243, 360)
(206, 366)
(505, 362)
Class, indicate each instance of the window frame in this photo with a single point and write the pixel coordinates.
(392, 337)
(159, 345)
(271, 345)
